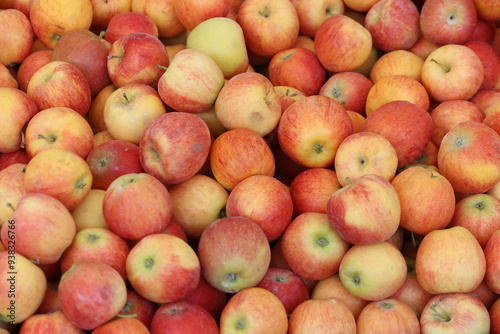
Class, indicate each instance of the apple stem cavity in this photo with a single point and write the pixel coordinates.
(318, 148)
(80, 184)
(93, 237)
(445, 68)
(480, 206)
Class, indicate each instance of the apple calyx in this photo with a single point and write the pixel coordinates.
(229, 279)
(441, 316)
(35, 261)
(444, 67)
(318, 148)
(103, 162)
(337, 94)
(460, 142)
(480, 206)
(93, 238)
(240, 323)
(386, 305)
(322, 242)
(51, 139)
(80, 184)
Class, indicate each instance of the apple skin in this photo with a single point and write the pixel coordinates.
(126, 23)
(393, 24)
(30, 287)
(469, 157)
(59, 173)
(191, 82)
(493, 262)
(310, 316)
(374, 217)
(52, 322)
(234, 253)
(130, 198)
(373, 272)
(342, 44)
(251, 309)
(408, 131)
(427, 199)
(11, 190)
(448, 22)
(349, 88)
(387, 315)
(93, 282)
(163, 268)
(88, 52)
(89, 212)
(397, 62)
(495, 316)
(480, 214)
(298, 68)
(44, 228)
(311, 233)
(133, 58)
(490, 60)
(210, 298)
(17, 33)
(311, 189)
(311, 130)
(50, 302)
(442, 267)
(17, 109)
(163, 15)
(66, 87)
(487, 10)
(265, 200)
(138, 307)
(174, 147)
(112, 159)
(60, 127)
(103, 12)
(452, 72)
(239, 153)
(191, 13)
(312, 13)
(122, 326)
(95, 116)
(183, 317)
(7, 77)
(17, 157)
(454, 313)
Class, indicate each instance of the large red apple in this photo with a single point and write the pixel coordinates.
(17, 36)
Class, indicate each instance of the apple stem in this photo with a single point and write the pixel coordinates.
(22, 140)
(9, 205)
(102, 33)
(126, 97)
(223, 213)
(446, 68)
(162, 67)
(413, 240)
(134, 315)
(113, 56)
(349, 181)
(51, 138)
(436, 314)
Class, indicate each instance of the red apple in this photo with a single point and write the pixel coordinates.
(138, 307)
(491, 251)
(17, 36)
(6, 77)
(312, 13)
(163, 15)
(53, 322)
(397, 62)
(11, 190)
(191, 13)
(490, 60)
(17, 157)
(50, 302)
(210, 298)
(126, 23)
(104, 11)
(122, 326)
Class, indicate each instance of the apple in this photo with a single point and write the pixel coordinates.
(222, 39)
(442, 267)
(469, 157)
(494, 312)
(104, 11)
(393, 24)
(311, 189)
(59, 173)
(342, 44)
(483, 31)
(6, 77)
(196, 203)
(95, 115)
(248, 100)
(183, 317)
(452, 72)
(389, 316)
(358, 7)
(17, 33)
(163, 15)
(250, 310)
(485, 294)
(265, 200)
(16, 157)
(234, 253)
(88, 52)
(191, 13)
(50, 19)
(486, 99)
(268, 27)
(239, 153)
(191, 82)
(134, 59)
(210, 298)
(448, 114)
(174, 146)
(138, 307)
(60, 127)
(298, 68)
(50, 302)
(490, 60)
(407, 126)
(60, 84)
(310, 316)
(311, 130)
(480, 214)
(53, 322)
(349, 88)
(423, 47)
(111, 160)
(365, 153)
(312, 13)
(448, 22)
(130, 198)
(125, 23)
(396, 88)
(454, 313)
(44, 228)
(397, 62)
(11, 190)
(373, 272)
(305, 42)
(332, 288)
(493, 262)
(311, 247)
(17, 109)
(89, 212)
(427, 199)
(95, 282)
(163, 268)
(23, 284)
(288, 95)
(122, 326)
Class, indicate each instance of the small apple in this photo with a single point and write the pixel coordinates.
(17, 33)
(163, 15)
(53, 322)
(312, 13)
(491, 251)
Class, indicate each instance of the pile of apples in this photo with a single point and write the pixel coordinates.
(249, 166)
